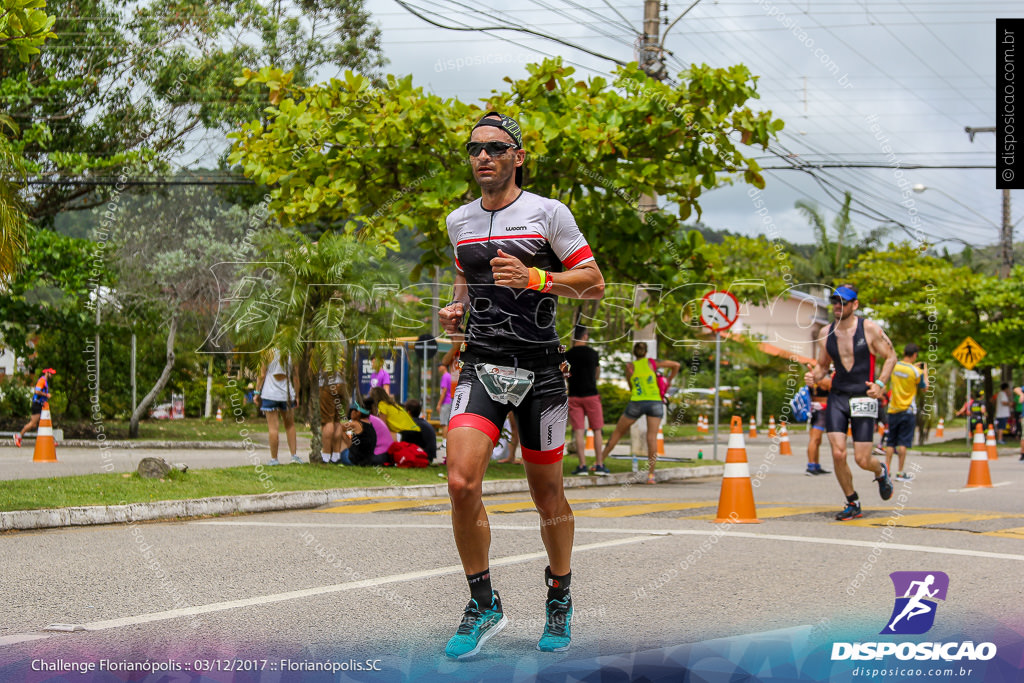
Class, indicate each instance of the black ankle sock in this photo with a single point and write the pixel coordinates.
(480, 587)
(558, 586)
(852, 498)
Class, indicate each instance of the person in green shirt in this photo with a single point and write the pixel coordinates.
(644, 399)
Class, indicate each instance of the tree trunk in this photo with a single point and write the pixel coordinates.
(133, 429)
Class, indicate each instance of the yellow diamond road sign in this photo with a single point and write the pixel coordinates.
(969, 353)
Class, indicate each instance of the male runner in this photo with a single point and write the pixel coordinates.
(819, 400)
(515, 253)
(907, 378)
(854, 345)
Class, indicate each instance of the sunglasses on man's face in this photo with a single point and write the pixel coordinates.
(838, 300)
(493, 148)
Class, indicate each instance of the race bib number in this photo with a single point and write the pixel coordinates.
(863, 406)
(505, 384)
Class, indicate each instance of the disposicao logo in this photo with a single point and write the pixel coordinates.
(913, 613)
(916, 595)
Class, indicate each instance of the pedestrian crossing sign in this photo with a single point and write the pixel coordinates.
(969, 353)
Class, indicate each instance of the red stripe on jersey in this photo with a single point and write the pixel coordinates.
(481, 424)
(578, 256)
(871, 373)
(500, 238)
(543, 457)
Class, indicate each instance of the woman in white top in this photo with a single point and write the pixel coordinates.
(1004, 403)
(276, 393)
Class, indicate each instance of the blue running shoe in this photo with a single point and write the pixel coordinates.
(884, 484)
(477, 627)
(556, 634)
(851, 511)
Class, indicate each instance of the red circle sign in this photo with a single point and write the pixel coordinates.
(719, 310)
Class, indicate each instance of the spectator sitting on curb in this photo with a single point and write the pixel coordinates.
(425, 437)
(359, 439)
(391, 412)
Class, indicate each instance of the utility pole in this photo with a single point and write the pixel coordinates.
(651, 60)
(1006, 232)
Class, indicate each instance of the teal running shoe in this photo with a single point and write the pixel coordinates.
(477, 627)
(556, 634)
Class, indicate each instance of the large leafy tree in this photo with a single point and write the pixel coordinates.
(129, 86)
(165, 250)
(374, 161)
(24, 27)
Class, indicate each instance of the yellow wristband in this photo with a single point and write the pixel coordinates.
(538, 278)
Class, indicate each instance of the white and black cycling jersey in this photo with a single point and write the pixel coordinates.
(541, 233)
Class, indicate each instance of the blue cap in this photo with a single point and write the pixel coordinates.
(356, 406)
(846, 293)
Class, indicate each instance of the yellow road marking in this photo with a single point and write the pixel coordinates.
(386, 506)
(642, 509)
(1016, 532)
(926, 519)
(771, 513)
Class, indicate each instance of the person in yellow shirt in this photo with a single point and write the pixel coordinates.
(907, 378)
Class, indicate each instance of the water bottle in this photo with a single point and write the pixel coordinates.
(636, 466)
(700, 455)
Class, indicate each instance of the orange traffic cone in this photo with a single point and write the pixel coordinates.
(990, 443)
(940, 431)
(661, 442)
(590, 440)
(736, 501)
(46, 450)
(784, 447)
(881, 429)
(702, 424)
(753, 429)
(849, 430)
(220, 415)
(978, 476)
(771, 426)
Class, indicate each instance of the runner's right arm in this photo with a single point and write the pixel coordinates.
(819, 371)
(451, 316)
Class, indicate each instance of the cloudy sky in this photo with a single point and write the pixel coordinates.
(857, 82)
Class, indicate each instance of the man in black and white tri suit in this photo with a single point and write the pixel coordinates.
(515, 254)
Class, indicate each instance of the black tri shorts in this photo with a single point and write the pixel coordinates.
(541, 417)
(838, 418)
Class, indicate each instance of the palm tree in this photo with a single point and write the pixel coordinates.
(325, 304)
(836, 247)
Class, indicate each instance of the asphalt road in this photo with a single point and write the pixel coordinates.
(379, 581)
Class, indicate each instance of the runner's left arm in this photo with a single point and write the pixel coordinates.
(881, 346)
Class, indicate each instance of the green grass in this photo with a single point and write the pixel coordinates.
(191, 429)
(954, 446)
(671, 431)
(118, 488)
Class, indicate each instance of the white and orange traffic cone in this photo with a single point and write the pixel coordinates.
(979, 476)
(736, 501)
(881, 429)
(771, 426)
(990, 444)
(46, 448)
(661, 442)
(940, 431)
(702, 424)
(220, 415)
(849, 430)
(590, 440)
(753, 429)
(784, 447)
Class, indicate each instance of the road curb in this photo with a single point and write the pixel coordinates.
(108, 443)
(52, 518)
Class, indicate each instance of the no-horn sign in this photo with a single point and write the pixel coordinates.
(719, 310)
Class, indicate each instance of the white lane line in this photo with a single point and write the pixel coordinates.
(980, 488)
(685, 532)
(323, 590)
(21, 638)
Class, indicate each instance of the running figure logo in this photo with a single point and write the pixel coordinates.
(916, 595)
